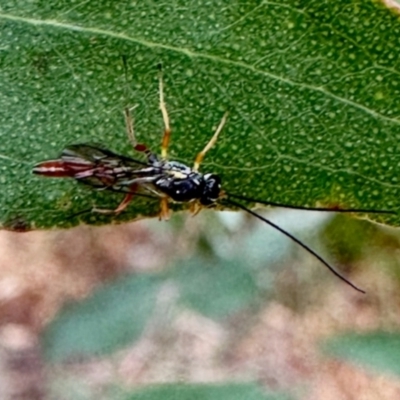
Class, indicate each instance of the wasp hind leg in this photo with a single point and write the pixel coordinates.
(164, 112)
(200, 156)
(122, 206)
(124, 203)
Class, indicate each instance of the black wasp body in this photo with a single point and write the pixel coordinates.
(104, 170)
(182, 184)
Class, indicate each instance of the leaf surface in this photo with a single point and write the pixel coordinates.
(312, 88)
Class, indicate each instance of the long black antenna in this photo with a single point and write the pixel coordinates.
(271, 203)
(304, 246)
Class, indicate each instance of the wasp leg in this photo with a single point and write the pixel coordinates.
(195, 208)
(164, 112)
(131, 135)
(124, 203)
(164, 209)
(200, 156)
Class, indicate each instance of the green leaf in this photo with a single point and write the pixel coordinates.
(312, 88)
(112, 317)
(379, 351)
(205, 392)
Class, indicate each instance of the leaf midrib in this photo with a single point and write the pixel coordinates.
(194, 54)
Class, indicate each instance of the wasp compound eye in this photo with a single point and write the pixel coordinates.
(212, 189)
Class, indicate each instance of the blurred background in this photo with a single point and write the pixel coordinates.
(153, 309)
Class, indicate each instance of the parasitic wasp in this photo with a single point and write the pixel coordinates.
(157, 177)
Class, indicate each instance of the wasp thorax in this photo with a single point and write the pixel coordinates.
(194, 186)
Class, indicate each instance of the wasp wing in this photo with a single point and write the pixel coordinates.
(97, 166)
(96, 153)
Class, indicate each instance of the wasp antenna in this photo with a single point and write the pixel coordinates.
(326, 209)
(299, 242)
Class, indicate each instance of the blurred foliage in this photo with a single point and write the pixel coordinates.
(352, 239)
(112, 317)
(216, 289)
(376, 351)
(216, 285)
(349, 238)
(240, 271)
(231, 391)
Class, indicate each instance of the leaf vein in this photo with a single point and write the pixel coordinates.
(194, 54)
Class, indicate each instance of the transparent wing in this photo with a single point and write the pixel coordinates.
(97, 153)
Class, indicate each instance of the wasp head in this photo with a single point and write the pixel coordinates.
(211, 189)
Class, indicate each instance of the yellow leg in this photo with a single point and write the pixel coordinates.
(195, 208)
(164, 112)
(129, 127)
(200, 156)
(164, 209)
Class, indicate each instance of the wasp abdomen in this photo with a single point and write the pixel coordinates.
(61, 168)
